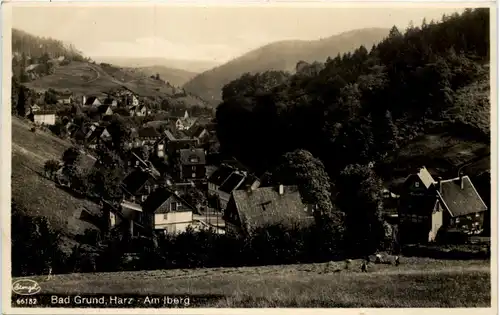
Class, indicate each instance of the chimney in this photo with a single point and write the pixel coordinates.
(84, 99)
(281, 190)
(439, 183)
(255, 184)
(461, 178)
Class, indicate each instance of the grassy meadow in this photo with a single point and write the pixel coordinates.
(417, 282)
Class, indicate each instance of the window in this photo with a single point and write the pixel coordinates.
(193, 175)
(417, 184)
(165, 216)
(193, 168)
(193, 159)
(173, 206)
(477, 215)
(143, 197)
(457, 220)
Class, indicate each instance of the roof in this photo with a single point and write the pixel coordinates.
(177, 113)
(426, 177)
(102, 109)
(135, 180)
(131, 205)
(90, 100)
(189, 121)
(96, 133)
(196, 131)
(169, 135)
(187, 155)
(460, 201)
(109, 101)
(265, 206)
(148, 132)
(220, 175)
(232, 182)
(159, 196)
(64, 95)
(44, 112)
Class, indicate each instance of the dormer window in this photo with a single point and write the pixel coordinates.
(193, 159)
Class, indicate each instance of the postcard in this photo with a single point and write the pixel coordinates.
(191, 158)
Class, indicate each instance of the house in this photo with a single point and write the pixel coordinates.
(428, 207)
(128, 214)
(35, 108)
(227, 179)
(126, 96)
(65, 98)
(138, 185)
(91, 101)
(166, 212)
(192, 164)
(179, 113)
(170, 144)
(189, 122)
(98, 135)
(148, 136)
(250, 209)
(110, 102)
(43, 117)
(105, 110)
(140, 110)
(199, 133)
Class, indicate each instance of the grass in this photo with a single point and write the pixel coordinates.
(417, 282)
(37, 194)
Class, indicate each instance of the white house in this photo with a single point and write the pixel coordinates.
(167, 213)
(44, 117)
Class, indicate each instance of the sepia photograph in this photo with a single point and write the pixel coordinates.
(249, 156)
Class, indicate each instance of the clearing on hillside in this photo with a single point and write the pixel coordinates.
(37, 194)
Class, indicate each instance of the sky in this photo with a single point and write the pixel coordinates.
(210, 33)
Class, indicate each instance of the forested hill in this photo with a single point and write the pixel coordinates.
(34, 46)
(372, 105)
(281, 55)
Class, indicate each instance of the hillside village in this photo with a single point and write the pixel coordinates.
(274, 175)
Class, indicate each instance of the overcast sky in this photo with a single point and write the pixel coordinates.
(201, 33)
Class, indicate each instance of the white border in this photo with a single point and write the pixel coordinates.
(5, 165)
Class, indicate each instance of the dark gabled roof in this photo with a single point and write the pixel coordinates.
(96, 133)
(460, 201)
(109, 101)
(135, 180)
(249, 181)
(220, 175)
(158, 197)
(102, 109)
(265, 206)
(196, 131)
(90, 100)
(232, 182)
(187, 154)
(177, 113)
(169, 135)
(148, 132)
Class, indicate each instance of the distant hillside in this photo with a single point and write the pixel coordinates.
(84, 78)
(195, 66)
(175, 77)
(281, 56)
(34, 46)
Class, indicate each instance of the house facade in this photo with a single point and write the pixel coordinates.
(192, 164)
(41, 117)
(65, 98)
(148, 136)
(138, 186)
(429, 208)
(97, 135)
(167, 213)
(139, 110)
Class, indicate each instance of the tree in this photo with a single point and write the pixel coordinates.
(70, 157)
(301, 168)
(119, 132)
(195, 197)
(50, 97)
(360, 198)
(22, 101)
(50, 167)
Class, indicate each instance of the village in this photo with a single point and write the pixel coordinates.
(178, 160)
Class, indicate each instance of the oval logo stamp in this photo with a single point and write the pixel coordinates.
(26, 287)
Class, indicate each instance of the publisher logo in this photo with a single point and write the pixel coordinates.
(26, 287)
